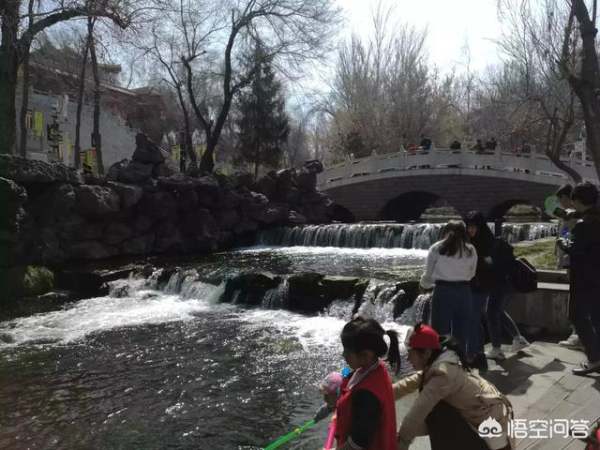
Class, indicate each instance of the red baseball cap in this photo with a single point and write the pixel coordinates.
(423, 336)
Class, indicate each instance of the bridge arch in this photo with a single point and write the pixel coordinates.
(500, 209)
(408, 206)
(343, 214)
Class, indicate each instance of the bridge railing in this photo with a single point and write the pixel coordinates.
(528, 163)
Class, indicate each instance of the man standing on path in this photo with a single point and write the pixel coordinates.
(583, 249)
(566, 221)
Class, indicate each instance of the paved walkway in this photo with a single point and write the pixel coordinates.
(539, 383)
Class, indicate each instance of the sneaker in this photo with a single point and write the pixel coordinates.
(587, 367)
(519, 343)
(495, 353)
(572, 342)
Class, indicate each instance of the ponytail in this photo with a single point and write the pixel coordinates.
(393, 355)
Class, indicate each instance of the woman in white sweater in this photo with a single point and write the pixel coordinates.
(451, 263)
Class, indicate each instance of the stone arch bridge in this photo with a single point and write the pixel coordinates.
(401, 186)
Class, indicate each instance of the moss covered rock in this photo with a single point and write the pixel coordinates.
(25, 281)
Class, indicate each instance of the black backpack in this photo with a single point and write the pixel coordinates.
(524, 276)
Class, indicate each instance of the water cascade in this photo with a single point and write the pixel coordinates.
(386, 235)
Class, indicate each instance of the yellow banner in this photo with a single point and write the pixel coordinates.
(38, 123)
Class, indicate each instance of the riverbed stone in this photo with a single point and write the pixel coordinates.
(249, 288)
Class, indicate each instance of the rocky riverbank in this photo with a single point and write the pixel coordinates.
(54, 215)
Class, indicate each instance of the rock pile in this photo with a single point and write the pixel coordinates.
(52, 215)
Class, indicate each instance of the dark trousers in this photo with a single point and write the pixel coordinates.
(451, 310)
(477, 335)
(497, 317)
(585, 315)
(448, 430)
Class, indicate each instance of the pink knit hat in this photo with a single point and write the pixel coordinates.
(332, 383)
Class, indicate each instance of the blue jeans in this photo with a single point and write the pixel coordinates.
(451, 310)
(476, 340)
(498, 318)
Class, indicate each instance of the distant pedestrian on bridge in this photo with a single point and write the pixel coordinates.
(450, 266)
(425, 142)
(583, 248)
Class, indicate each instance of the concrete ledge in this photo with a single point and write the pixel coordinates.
(546, 308)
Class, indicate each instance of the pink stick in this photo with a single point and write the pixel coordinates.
(330, 435)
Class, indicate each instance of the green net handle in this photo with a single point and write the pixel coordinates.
(291, 435)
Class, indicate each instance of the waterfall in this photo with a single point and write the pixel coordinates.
(277, 297)
(386, 235)
(418, 312)
(379, 301)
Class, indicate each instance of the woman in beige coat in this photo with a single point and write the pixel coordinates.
(455, 407)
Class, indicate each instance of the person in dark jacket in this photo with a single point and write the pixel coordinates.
(583, 249)
(490, 288)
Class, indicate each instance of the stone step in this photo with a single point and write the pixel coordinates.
(553, 276)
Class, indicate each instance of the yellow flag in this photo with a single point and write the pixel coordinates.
(38, 123)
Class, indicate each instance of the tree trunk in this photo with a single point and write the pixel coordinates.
(25, 90)
(24, 106)
(189, 148)
(207, 162)
(9, 64)
(80, 92)
(587, 85)
(96, 137)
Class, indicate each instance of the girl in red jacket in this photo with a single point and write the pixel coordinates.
(366, 416)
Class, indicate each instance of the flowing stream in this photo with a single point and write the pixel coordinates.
(167, 365)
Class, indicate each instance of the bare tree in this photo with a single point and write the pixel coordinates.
(80, 97)
(25, 89)
(289, 30)
(16, 42)
(96, 136)
(586, 83)
(540, 45)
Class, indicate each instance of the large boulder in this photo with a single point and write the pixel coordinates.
(12, 197)
(28, 171)
(116, 233)
(267, 185)
(179, 183)
(271, 214)
(313, 166)
(113, 171)
(139, 245)
(96, 201)
(249, 288)
(129, 194)
(227, 219)
(187, 201)
(146, 151)
(306, 181)
(168, 238)
(295, 218)
(55, 203)
(135, 173)
(85, 250)
(159, 205)
(162, 170)
(24, 281)
(199, 223)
